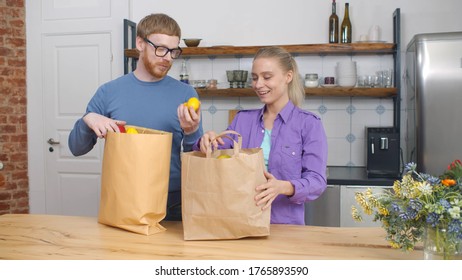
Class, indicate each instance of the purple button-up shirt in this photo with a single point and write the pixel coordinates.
(298, 154)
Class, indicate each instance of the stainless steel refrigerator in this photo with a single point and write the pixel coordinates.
(434, 100)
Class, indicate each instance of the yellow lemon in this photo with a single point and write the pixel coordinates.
(194, 103)
(223, 156)
(132, 130)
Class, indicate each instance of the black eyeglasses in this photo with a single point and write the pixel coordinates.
(163, 51)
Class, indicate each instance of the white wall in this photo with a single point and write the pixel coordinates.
(251, 22)
(256, 22)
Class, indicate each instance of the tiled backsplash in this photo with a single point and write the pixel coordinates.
(344, 118)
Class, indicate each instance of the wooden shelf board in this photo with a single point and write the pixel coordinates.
(334, 92)
(315, 49)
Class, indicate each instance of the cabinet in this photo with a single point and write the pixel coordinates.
(324, 211)
(333, 207)
(130, 55)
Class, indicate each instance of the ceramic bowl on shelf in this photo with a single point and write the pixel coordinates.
(192, 42)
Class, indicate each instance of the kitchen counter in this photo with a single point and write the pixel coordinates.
(343, 175)
(24, 236)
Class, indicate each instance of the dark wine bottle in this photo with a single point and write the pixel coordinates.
(333, 24)
(345, 29)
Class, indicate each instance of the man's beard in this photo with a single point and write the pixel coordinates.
(155, 70)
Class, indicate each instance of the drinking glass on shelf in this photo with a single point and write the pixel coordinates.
(244, 78)
(388, 78)
(379, 81)
(371, 81)
(238, 77)
(230, 76)
(361, 81)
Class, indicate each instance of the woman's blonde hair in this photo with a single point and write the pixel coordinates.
(287, 63)
(158, 24)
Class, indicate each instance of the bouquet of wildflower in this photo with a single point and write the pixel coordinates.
(417, 202)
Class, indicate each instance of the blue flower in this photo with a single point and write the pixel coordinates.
(410, 167)
(413, 208)
(404, 216)
(445, 203)
(415, 204)
(411, 213)
(455, 227)
(395, 207)
(432, 219)
(433, 180)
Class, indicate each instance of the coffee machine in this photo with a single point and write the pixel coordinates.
(383, 152)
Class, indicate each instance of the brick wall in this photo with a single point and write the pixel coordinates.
(14, 183)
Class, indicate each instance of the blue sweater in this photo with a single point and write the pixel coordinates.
(147, 104)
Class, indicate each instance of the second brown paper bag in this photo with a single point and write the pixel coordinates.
(218, 194)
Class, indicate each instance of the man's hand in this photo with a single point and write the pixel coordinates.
(189, 119)
(101, 124)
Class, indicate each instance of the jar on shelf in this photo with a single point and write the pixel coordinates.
(311, 80)
(201, 84)
(212, 84)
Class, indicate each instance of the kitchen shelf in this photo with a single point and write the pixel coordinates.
(309, 49)
(334, 92)
(314, 49)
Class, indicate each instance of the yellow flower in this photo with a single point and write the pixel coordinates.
(397, 188)
(355, 214)
(407, 188)
(394, 245)
(383, 211)
(362, 201)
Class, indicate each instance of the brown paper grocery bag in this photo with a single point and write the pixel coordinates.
(134, 180)
(218, 194)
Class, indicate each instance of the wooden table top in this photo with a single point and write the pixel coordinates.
(29, 237)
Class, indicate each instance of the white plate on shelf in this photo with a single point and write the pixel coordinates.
(329, 85)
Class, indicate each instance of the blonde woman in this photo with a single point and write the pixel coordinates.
(293, 140)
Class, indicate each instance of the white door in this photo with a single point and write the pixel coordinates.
(73, 47)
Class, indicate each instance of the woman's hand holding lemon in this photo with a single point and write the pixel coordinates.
(189, 115)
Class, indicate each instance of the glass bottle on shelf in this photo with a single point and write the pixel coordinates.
(345, 29)
(184, 76)
(333, 24)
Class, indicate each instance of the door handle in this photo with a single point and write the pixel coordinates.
(51, 141)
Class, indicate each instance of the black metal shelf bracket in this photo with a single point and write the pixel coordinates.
(129, 43)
